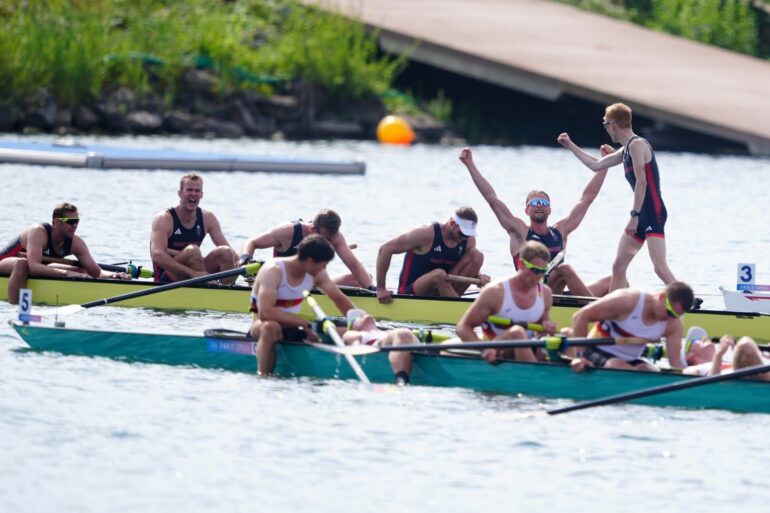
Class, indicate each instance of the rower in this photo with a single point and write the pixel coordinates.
(435, 255)
(178, 232)
(278, 292)
(285, 238)
(538, 208)
(636, 314)
(362, 329)
(520, 299)
(54, 239)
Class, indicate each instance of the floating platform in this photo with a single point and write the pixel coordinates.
(103, 157)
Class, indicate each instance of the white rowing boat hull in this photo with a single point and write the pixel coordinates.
(740, 301)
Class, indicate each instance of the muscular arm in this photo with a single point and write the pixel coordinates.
(351, 262)
(417, 239)
(489, 301)
(87, 262)
(514, 226)
(214, 229)
(673, 333)
(272, 239)
(161, 231)
(35, 244)
(578, 212)
(638, 150)
(588, 160)
(328, 287)
(269, 280)
(548, 324)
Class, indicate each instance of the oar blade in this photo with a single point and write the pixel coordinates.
(354, 350)
(64, 311)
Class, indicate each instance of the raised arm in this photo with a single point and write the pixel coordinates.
(351, 261)
(591, 191)
(414, 239)
(509, 222)
(591, 162)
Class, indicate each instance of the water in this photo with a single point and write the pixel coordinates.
(89, 434)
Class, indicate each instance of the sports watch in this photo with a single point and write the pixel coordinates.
(634, 213)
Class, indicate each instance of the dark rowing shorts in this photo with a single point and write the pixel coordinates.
(650, 225)
(293, 334)
(599, 358)
(409, 289)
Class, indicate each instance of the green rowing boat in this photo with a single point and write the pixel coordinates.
(222, 349)
(424, 310)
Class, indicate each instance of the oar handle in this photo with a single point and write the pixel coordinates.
(555, 343)
(247, 269)
(506, 323)
(331, 329)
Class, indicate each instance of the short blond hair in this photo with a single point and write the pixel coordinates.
(194, 177)
(531, 194)
(619, 113)
(533, 249)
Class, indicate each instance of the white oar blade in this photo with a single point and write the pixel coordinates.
(64, 311)
(354, 350)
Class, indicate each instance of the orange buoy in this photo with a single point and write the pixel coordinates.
(394, 130)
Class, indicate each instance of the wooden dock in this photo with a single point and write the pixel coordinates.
(548, 49)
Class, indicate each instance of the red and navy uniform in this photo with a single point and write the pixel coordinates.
(296, 238)
(440, 256)
(15, 246)
(181, 237)
(553, 240)
(652, 216)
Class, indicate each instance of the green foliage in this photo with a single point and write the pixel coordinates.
(80, 48)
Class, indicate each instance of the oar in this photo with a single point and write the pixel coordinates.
(553, 343)
(71, 309)
(463, 279)
(331, 330)
(555, 261)
(135, 271)
(663, 389)
(506, 323)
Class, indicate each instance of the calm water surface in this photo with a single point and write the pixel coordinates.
(86, 434)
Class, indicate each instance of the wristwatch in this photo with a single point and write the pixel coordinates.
(634, 213)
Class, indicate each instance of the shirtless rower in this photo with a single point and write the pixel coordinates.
(278, 292)
(636, 314)
(538, 208)
(520, 298)
(178, 232)
(55, 239)
(362, 329)
(434, 254)
(285, 238)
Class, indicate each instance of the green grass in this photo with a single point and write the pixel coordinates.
(78, 49)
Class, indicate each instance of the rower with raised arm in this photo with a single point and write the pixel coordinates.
(630, 313)
(435, 254)
(278, 292)
(178, 232)
(519, 299)
(285, 238)
(54, 239)
(648, 212)
(538, 209)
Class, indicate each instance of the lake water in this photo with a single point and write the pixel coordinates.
(84, 434)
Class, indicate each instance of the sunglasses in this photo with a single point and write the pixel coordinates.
(539, 202)
(607, 123)
(72, 221)
(670, 309)
(534, 268)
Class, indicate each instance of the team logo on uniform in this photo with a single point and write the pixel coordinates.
(178, 232)
(437, 249)
(648, 229)
(198, 230)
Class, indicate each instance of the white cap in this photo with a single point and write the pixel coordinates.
(352, 315)
(467, 227)
(696, 333)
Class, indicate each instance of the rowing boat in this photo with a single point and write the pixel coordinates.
(224, 349)
(746, 301)
(421, 310)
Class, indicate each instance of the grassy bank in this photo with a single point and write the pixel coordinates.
(78, 49)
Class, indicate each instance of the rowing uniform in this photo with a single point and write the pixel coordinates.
(653, 214)
(553, 240)
(296, 238)
(181, 237)
(510, 310)
(15, 246)
(632, 326)
(289, 299)
(440, 256)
